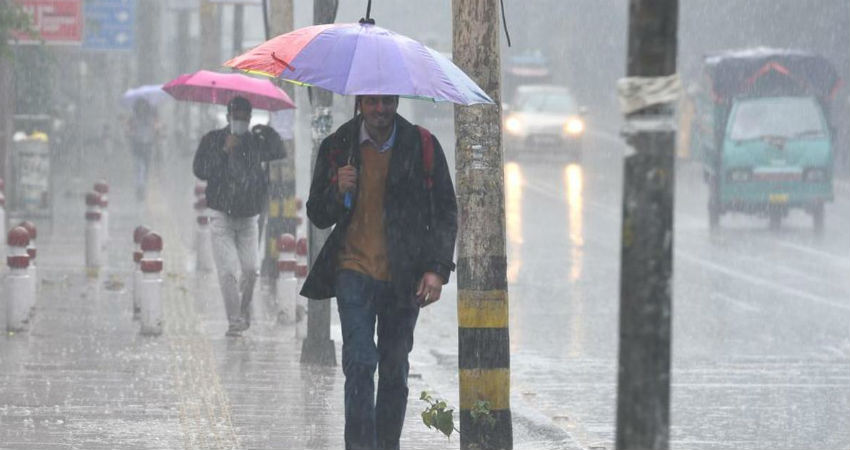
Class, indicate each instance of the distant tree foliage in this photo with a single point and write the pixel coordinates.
(35, 71)
(13, 17)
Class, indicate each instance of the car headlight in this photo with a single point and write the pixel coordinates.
(815, 175)
(574, 126)
(513, 125)
(739, 175)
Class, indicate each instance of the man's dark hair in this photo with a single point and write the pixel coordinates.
(238, 104)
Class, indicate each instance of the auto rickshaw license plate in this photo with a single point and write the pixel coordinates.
(778, 198)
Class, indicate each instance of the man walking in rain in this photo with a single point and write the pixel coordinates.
(230, 161)
(389, 254)
(143, 132)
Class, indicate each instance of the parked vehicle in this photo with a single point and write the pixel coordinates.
(763, 132)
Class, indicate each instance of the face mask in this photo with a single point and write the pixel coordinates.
(239, 126)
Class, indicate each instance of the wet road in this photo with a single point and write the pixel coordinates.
(761, 345)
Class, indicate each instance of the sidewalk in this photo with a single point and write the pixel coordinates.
(83, 378)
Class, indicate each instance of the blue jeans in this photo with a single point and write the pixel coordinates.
(361, 300)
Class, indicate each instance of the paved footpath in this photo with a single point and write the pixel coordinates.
(82, 377)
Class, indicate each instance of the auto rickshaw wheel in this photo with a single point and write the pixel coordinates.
(775, 218)
(817, 217)
(713, 215)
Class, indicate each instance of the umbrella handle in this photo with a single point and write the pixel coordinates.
(285, 64)
(347, 200)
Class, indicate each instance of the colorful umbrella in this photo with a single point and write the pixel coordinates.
(152, 93)
(212, 87)
(361, 59)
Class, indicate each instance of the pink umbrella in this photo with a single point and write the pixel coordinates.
(212, 87)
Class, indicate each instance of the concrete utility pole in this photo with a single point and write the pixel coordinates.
(482, 297)
(318, 348)
(647, 96)
(282, 211)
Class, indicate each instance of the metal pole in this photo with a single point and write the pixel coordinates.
(181, 115)
(318, 348)
(7, 112)
(482, 298)
(643, 390)
(148, 62)
(210, 18)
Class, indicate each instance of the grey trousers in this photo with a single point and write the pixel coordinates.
(234, 245)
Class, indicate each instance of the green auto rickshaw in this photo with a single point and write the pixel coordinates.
(762, 129)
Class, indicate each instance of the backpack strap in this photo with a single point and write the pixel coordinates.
(427, 156)
(428, 168)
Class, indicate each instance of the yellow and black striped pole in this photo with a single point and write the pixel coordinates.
(484, 350)
(484, 363)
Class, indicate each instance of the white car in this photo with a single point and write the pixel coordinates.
(543, 119)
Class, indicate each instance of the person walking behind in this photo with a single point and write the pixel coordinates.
(230, 161)
(389, 254)
(143, 133)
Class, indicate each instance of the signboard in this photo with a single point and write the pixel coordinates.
(31, 175)
(57, 21)
(238, 2)
(109, 24)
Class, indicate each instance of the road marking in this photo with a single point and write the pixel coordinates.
(607, 136)
(735, 302)
(836, 259)
(843, 305)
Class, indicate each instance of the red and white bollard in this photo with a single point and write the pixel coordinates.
(299, 218)
(102, 188)
(203, 237)
(31, 269)
(94, 259)
(18, 284)
(200, 192)
(300, 276)
(151, 287)
(138, 234)
(2, 221)
(286, 282)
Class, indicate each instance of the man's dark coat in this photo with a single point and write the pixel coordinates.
(419, 238)
(236, 182)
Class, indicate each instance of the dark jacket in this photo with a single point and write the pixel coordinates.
(236, 182)
(419, 238)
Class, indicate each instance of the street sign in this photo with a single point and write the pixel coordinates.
(57, 21)
(181, 5)
(109, 24)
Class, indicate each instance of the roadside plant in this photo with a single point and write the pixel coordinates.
(437, 415)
